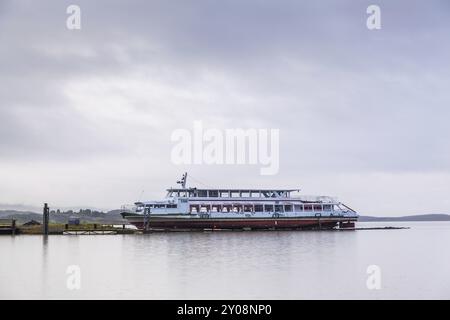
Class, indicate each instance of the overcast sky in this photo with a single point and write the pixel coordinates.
(87, 115)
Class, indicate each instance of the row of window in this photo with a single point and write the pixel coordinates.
(161, 206)
(228, 194)
(261, 208)
(249, 208)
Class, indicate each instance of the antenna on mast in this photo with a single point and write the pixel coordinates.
(183, 180)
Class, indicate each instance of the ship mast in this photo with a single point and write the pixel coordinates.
(183, 180)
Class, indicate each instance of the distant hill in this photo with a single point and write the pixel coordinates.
(89, 216)
(419, 217)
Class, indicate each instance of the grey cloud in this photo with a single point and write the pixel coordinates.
(353, 100)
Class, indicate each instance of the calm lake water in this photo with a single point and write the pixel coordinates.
(414, 264)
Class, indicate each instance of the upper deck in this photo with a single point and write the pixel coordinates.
(247, 195)
(191, 200)
(230, 193)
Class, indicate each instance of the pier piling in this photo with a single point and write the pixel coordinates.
(46, 218)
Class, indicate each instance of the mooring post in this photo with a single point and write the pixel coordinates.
(46, 218)
(13, 227)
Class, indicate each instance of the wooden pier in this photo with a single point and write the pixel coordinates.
(8, 226)
(89, 232)
(371, 228)
(82, 229)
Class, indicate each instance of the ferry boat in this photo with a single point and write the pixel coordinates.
(188, 208)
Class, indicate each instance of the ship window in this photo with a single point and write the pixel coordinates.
(327, 207)
(213, 193)
(288, 208)
(248, 208)
(224, 194)
(202, 193)
(278, 208)
(317, 207)
(298, 207)
(268, 208)
(171, 206)
(308, 207)
(184, 200)
(259, 208)
(237, 208)
(245, 194)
